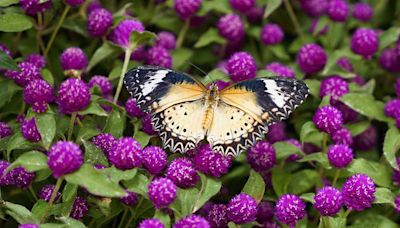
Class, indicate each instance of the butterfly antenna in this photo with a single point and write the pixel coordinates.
(198, 68)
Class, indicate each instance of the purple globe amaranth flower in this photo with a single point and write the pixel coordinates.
(28, 225)
(397, 204)
(241, 66)
(362, 11)
(392, 108)
(5, 130)
(194, 221)
(151, 223)
(265, 212)
(242, 5)
(64, 157)
(98, 22)
(358, 80)
(365, 42)
(6, 179)
(314, 8)
(93, 5)
(242, 209)
(126, 153)
(5, 49)
(132, 109)
(105, 142)
(366, 140)
(345, 64)
(280, 70)
(33, 7)
(73, 95)
(79, 208)
(395, 176)
(348, 114)
(276, 132)
(338, 10)
(290, 209)
(130, 199)
(314, 27)
(73, 58)
(328, 201)
(74, 3)
(147, 125)
(358, 192)
(159, 56)
(271, 34)
(162, 192)
(103, 83)
(46, 192)
(390, 60)
(311, 58)
(29, 130)
(340, 155)
(120, 35)
(21, 177)
(261, 156)
(154, 159)
(203, 211)
(37, 60)
(231, 27)
(139, 54)
(342, 136)
(255, 14)
(328, 119)
(217, 216)
(186, 8)
(397, 87)
(210, 162)
(38, 93)
(27, 72)
(335, 86)
(166, 40)
(182, 172)
(294, 157)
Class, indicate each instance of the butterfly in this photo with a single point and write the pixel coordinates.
(185, 112)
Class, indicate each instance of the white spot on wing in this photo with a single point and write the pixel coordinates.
(277, 96)
(154, 80)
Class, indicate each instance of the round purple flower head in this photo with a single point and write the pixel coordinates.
(64, 157)
(182, 172)
(289, 209)
(241, 66)
(211, 163)
(231, 27)
(74, 3)
(348, 114)
(103, 83)
(21, 177)
(294, 156)
(186, 8)
(73, 58)
(342, 136)
(311, 58)
(73, 95)
(328, 119)
(121, 34)
(340, 155)
(345, 64)
(280, 70)
(104, 141)
(366, 140)
(365, 42)
(162, 192)
(132, 109)
(362, 11)
(7, 179)
(46, 192)
(38, 93)
(27, 72)
(397, 204)
(28, 225)
(139, 54)
(358, 192)
(130, 199)
(271, 34)
(314, 8)
(261, 156)
(216, 216)
(242, 5)
(159, 56)
(276, 132)
(37, 60)
(265, 212)
(397, 87)
(255, 14)
(5, 130)
(126, 153)
(33, 7)
(93, 5)
(79, 208)
(98, 22)
(193, 221)
(242, 209)
(166, 40)
(147, 125)
(395, 176)
(328, 201)
(338, 10)
(29, 130)
(5, 49)
(151, 223)
(390, 60)
(392, 108)
(154, 159)
(335, 86)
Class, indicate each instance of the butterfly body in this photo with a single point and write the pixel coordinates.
(185, 112)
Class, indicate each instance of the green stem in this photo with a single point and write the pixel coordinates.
(337, 173)
(123, 218)
(346, 214)
(130, 219)
(324, 142)
(33, 193)
(128, 53)
(293, 17)
(52, 198)
(182, 34)
(71, 126)
(54, 34)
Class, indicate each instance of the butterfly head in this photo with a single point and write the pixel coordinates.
(213, 90)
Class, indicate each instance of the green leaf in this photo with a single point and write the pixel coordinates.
(279, 52)
(184, 202)
(391, 145)
(32, 161)
(309, 197)
(163, 217)
(77, 25)
(69, 192)
(378, 172)
(302, 181)
(6, 62)
(94, 109)
(181, 57)
(16, 142)
(95, 182)
(102, 53)
(329, 222)
(4, 3)
(117, 175)
(138, 184)
(93, 154)
(388, 37)
(142, 138)
(209, 37)
(46, 124)
(285, 149)
(309, 133)
(218, 6)
(372, 220)
(280, 180)
(115, 123)
(358, 127)
(384, 196)
(20, 213)
(209, 188)
(215, 75)
(314, 86)
(272, 5)
(71, 223)
(86, 132)
(319, 157)
(39, 208)
(255, 186)
(7, 90)
(48, 76)
(14, 22)
(138, 38)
